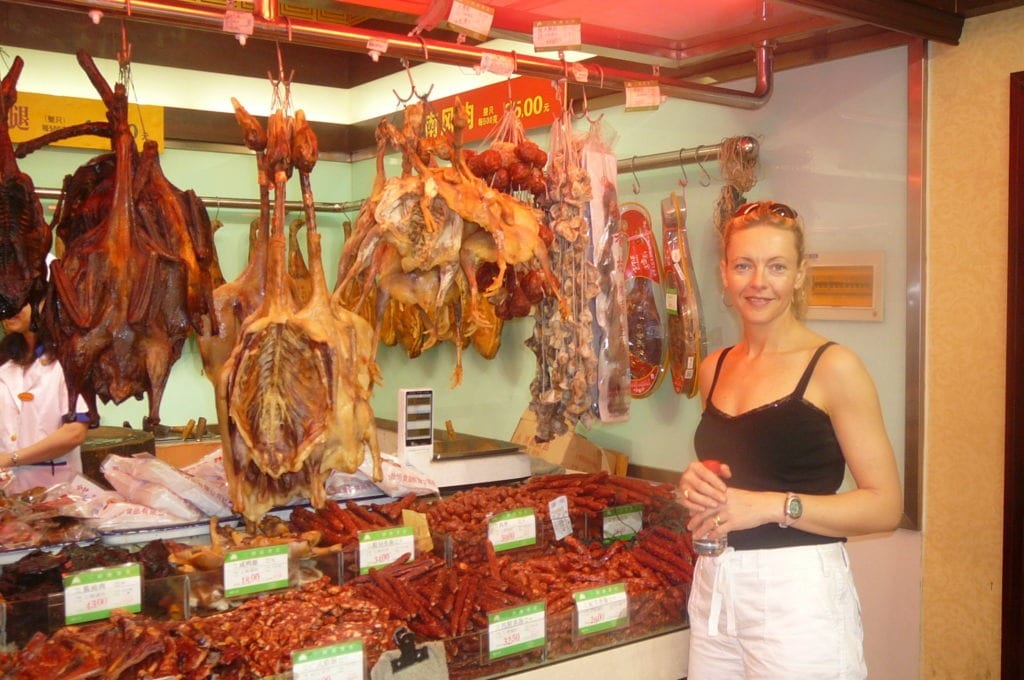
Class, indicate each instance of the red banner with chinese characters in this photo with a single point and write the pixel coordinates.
(534, 99)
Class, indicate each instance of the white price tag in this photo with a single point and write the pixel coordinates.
(498, 64)
(512, 529)
(601, 609)
(580, 73)
(384, 546)
(643, 95)
(623, 521)
(561, 523)
(238, 22)
(557, 34)
(91, 594)
(515, 630)
(343, 661)
(472, 18)
(378, 45)
(671, 302)
(255, 570)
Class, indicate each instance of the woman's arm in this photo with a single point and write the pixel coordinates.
(849, 396)
(55, 445)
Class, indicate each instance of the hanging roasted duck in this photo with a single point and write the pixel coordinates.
(134, 278)
(25, 237)
(296, 388)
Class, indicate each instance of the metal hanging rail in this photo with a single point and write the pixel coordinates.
(417, 48)
(698, 154)
(244, 203)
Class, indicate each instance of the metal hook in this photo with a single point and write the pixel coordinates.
(412, 85)
(423, 46)
(682, 166)
(636, 181)
(705, 176)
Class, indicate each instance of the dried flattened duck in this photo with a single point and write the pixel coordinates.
(296, 387)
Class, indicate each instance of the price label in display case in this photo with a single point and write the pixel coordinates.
(384, 546)
(91, 594)
(516, 630)
(343, 661)
(622, 521)
(255, 570)
(512, 529)
(601, 609)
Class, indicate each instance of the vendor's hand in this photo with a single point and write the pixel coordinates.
(701, 489)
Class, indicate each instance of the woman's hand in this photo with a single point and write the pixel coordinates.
(701, 488)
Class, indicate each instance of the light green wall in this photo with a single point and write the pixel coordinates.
(833, 146)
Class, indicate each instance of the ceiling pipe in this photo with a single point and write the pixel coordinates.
(417, 48)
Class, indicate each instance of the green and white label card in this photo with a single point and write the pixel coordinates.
(512, 529)
(516, 630)
(384, 546)
(342, 661)
(255, 570)
(91, 594)
(622, 521)
(601, 609)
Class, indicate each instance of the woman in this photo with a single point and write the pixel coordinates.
(785, 411)
(35, 442)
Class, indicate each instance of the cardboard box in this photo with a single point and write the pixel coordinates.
(183, 454)
(570, 450)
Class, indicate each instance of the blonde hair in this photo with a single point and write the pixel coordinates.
(779, 216)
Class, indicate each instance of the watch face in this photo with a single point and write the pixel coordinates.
(794, 507)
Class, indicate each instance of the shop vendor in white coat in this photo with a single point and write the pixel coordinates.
(36, 444)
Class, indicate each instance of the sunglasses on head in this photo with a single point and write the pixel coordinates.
(780, 209)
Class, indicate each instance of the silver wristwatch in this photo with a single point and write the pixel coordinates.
(792, 510)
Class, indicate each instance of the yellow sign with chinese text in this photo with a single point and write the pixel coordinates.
(34, 115)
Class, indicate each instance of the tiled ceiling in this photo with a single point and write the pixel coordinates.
(707, 41)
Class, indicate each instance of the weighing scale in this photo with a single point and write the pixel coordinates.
(451, 459)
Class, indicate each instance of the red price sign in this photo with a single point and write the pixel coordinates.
(533, 99)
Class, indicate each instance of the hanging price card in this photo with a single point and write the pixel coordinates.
(92, 594)
(557, 35)
(238, 22)
(498, 64)
(643, 95)
(343, 661)
(561, 523)
(472, 18)
(512, 529)
(384, 546)
(255, 570)
(601, 609)
(515, 630)
(623, 521)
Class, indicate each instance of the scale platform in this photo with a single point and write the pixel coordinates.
(460, 459)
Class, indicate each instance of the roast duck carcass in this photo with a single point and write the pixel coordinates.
(25, 236)
(134, 279)
(434, 251)
(297, 385)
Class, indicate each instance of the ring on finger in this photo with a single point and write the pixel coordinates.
(686, 494)
(718, 521)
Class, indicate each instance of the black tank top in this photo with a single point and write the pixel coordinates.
(786, 445)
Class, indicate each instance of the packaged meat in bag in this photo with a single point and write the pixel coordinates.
(643, 287)
(687, 338)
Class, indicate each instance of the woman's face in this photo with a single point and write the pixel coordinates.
(761, 271)
(19, 323)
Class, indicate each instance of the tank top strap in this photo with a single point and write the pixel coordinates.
(806, 377)
(718, 369)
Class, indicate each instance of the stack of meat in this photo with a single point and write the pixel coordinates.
(296, 384)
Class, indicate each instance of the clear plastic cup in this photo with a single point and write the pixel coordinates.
(710, 547)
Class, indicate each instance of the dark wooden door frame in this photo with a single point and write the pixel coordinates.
(1013, 498)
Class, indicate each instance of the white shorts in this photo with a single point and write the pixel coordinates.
(784, 613)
